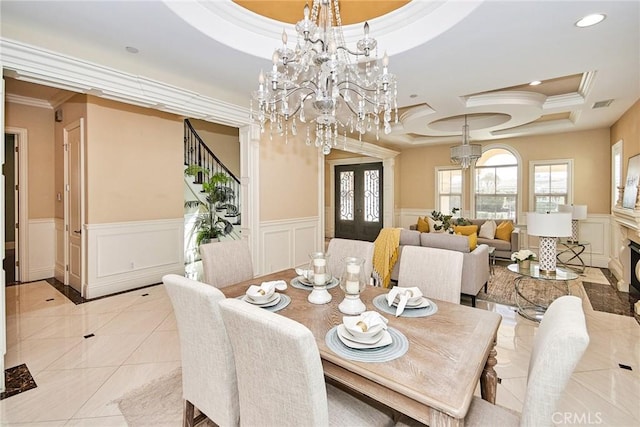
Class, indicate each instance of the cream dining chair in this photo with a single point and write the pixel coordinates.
(208, 369)
(280, 376)
(559, 344)
(339, 249)
(225, 263)
(437, 272)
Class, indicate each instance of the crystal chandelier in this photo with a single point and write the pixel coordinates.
(322, 81)
(465, 154)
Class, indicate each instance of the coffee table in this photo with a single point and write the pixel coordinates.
(560, 280)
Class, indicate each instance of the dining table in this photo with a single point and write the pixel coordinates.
(434, 381)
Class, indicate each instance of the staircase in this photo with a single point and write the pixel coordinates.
(197, 153)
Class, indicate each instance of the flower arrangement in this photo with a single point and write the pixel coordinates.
(523, 255)
(446, 222)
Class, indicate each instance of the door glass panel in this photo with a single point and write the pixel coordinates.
(371, 198)
(346, 196)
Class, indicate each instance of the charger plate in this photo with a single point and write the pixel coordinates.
(285, 300)
(398, 347)
(296, 283)
(380, 302)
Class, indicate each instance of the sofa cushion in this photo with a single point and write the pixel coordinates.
(423, 225)
(445, 241)
(473, 241)
(504, 230)
(500, 245)
(465, 230)
(409, 237)
(488, 229)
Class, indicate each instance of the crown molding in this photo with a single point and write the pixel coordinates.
(25, 100)
(354, 146)
(46, 67)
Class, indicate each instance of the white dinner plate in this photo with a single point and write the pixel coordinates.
(273, 301)
(424, 303)
(343, 334)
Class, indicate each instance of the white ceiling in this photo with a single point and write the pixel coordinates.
(446, 56)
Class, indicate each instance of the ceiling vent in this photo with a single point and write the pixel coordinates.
(602, 104)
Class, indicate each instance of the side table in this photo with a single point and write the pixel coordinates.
(492, 259)
(526, 307)
(569, 251)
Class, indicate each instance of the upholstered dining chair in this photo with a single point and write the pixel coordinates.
(280, 376)
(559, 344)
(208, 368)
(339, 249)
(225, 263)
(437, 272)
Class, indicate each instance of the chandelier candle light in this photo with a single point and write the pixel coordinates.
(548, 226)
(321, 80)
(465, 154)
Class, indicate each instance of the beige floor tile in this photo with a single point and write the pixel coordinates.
(58, 396)
(619, 387)
(125, 379)
(507, 399)
(100, 350)
(160, 346)
(168, 324)
(39, 354)
(609, 348)
(40, 424)
(74, 326)
(133, 322)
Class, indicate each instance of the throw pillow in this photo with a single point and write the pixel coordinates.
(432, 225)
(488, 230)
(504, 230)
(473, 241)
(466, 230)
(423, 225)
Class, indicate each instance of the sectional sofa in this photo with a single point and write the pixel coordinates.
(475, 265)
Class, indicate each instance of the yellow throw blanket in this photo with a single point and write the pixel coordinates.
(385, 254)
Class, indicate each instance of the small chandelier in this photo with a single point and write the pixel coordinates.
(322, 81)
(465, 154)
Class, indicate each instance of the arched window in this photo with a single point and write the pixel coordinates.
(496, 185)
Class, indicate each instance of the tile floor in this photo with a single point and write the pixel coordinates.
(135, 341)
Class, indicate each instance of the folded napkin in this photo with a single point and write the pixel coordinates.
(367, 322)
(405, 294)
(280, 285)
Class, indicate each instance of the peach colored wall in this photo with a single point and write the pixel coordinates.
(134, 163)
(627, 129)
(590, 151)
(288, 178)
(39, 123)
(223, 141)
(72, 110)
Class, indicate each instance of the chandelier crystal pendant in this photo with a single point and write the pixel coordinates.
(321, 81)
(465, 154)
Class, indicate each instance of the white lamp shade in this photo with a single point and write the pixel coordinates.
(577, 211)
(549, 224)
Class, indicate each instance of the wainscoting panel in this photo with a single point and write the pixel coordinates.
(406, 217)
(41, 248)
(287, 243)
(59, 271)
(123, 256)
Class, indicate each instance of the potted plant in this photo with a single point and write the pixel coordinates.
(446, 222)
(523, 257)
(209, 225)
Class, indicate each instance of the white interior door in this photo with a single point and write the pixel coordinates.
(74, 213)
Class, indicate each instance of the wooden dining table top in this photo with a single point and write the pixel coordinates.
(433, 382)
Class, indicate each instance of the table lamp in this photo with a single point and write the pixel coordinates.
(548, 226)
(577, 212)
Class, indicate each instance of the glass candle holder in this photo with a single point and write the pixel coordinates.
(321, 276)
(352, 284)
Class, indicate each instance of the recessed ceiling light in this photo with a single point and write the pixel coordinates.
(535, 83)
(590, 20)
(131, 49)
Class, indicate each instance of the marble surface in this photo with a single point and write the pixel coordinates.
(135, 341)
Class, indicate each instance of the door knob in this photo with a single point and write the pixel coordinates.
(77, 231)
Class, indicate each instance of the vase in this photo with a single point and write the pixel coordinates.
(524, 265)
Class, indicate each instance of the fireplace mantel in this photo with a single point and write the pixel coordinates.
(628, 218)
